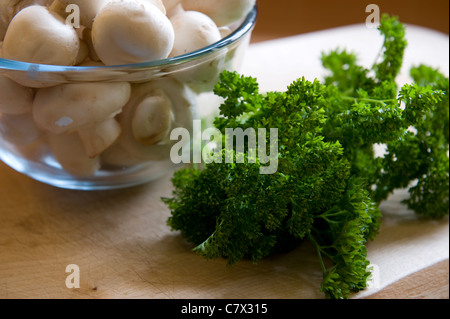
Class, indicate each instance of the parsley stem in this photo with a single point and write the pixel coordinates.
(382, 102)
(319, 252)
(380, 52)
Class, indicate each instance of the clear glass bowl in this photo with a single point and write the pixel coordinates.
(71, 147)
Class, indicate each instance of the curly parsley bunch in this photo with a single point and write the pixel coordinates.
(329, 181)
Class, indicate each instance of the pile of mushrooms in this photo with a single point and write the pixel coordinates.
(91, 125)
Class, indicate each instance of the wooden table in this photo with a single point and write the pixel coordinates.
(123, 249)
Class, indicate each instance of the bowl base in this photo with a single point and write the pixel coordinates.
(103, 179)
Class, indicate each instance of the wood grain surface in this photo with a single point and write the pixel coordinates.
(430, 283)
(120, 241)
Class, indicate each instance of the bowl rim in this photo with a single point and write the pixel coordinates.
(244, 28)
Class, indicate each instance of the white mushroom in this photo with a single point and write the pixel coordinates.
(67, 107)
(8, 8)
(19, 130)
(152, 119)
(68, 151)
(36, 35)
(97, 138)
(14, 98)
(193, 31)
(181, 101)
(223, 12)
(131, 31)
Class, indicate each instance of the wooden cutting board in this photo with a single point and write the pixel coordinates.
(120, 243)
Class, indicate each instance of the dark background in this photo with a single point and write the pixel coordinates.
(279, 18)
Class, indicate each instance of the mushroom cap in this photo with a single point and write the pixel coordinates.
(68, 107)
(36, 35)
(8, 8)
(193, 30)
(223, 12)
(131, 31)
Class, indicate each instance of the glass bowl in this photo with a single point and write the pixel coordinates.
(87, 127)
